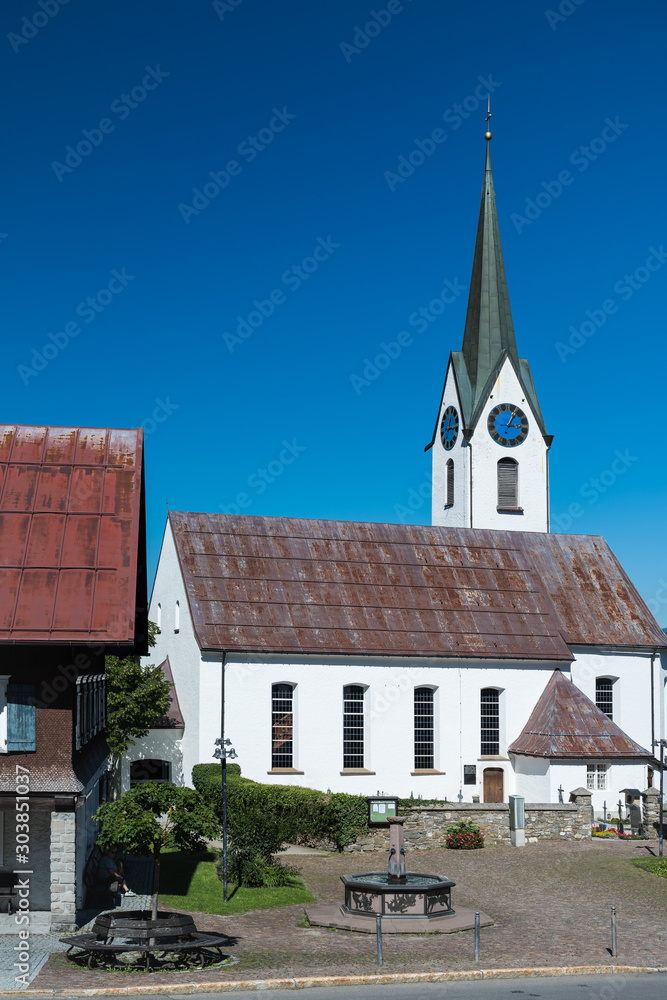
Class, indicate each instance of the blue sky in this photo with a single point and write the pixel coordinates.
(227, 240)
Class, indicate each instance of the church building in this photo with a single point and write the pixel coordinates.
(478, 656)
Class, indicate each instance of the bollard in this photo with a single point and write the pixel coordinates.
(613, 932)
(477, 935)
(378, 933)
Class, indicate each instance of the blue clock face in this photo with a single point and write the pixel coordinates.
(449, 428)
(508, 425)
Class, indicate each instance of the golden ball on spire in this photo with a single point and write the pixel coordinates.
(487, 136)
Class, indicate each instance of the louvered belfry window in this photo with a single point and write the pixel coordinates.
(508, 483)
(282, 726)
(353, 726)
(450, 482)
(424, 755)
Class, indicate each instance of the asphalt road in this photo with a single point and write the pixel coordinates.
(631, 987)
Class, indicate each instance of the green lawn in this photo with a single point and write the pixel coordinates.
(190, 882)
(658, 866)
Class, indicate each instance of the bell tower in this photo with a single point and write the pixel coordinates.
(490, 446)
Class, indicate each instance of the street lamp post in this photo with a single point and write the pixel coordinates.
(662, 744)
(223, 750)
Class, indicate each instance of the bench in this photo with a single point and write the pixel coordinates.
(8, 882)
(172, 934)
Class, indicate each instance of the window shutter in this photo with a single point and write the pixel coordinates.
(450, 483)
(21, 717)
(508, 482)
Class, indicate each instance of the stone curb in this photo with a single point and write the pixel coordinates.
(305, 982)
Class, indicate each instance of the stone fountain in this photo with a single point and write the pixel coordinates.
(407, 902)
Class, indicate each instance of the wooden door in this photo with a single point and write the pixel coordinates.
(493, 784)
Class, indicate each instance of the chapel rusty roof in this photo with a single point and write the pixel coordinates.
(289, 585)
(173, 719)
(72, 535)
(565, 724)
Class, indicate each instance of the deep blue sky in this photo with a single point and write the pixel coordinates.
(223, 73)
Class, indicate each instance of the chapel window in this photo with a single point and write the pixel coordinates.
(490, 722)
(596, 776)
(353, 726)
(282, 726)
(424, 729)
(604, 695)
(450, 483)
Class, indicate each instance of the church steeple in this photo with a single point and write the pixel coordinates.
(489, 330)
(490, 446)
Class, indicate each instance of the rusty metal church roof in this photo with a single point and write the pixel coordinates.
(283, 585)
(566, 724)
(72, 535)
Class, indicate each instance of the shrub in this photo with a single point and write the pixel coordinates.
(299, 812)
(464, 836)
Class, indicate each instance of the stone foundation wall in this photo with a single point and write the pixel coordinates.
(426, 826)
(63, 871)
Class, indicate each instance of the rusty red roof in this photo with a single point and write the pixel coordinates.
(565, 723)
(72, 525)
(174, 717)
(289, 585)
(281, 585)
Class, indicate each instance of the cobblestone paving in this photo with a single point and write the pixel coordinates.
(551, 904)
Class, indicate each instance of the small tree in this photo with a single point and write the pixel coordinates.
(137, 698)
(153, 816)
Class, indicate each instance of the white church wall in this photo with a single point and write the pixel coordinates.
(573, 774)
(181, 646)
(458, 515)
(532, 779)
(631, 675)
(389, 720)
(158, 744)
(531, 456)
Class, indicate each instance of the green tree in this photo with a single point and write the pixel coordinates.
(153, 816)
(137, 697)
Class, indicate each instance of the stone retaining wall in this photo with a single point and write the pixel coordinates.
(426, 826)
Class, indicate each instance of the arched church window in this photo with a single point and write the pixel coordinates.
(450, 483)
(177, 617)
(424, 729)
(282, 726)
(508, 483)
(353, 726)
(159, 616)
(604, 695)
(490, 722)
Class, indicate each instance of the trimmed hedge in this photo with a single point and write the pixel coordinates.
(304, 812)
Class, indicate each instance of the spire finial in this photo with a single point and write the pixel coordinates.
(488, 116)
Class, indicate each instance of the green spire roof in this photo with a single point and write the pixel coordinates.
(489, 330)
(488, 338)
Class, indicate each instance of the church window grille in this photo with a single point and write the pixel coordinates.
(282, 725)
(604, 696)
(508, 483)
(490, 719)
(450, 483)
(353, 726)
(424, 729)
(596, 776)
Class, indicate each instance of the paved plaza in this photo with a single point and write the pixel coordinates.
(550, 904)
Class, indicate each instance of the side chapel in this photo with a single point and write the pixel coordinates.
(479, 656)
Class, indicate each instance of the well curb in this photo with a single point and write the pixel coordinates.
(304, 982)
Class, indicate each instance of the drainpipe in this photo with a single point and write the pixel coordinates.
(653, 656)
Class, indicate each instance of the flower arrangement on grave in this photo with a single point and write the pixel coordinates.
(464, 835)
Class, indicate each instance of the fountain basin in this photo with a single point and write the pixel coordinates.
(421, 896)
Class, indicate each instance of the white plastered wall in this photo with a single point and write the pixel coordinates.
(181, 646)
(458, 515)
(531, 456)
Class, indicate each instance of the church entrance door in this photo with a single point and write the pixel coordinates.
(493, 784)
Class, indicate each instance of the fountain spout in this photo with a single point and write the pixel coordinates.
(396, 866)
